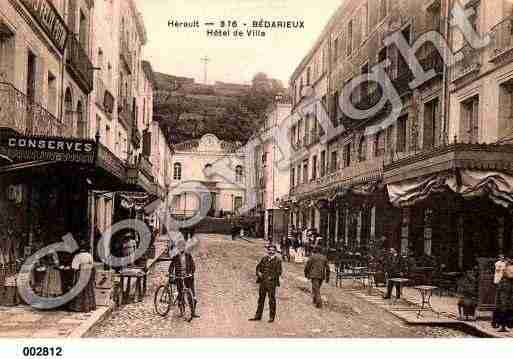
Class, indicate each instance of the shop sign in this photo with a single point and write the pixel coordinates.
(26, 148)
(49, 19)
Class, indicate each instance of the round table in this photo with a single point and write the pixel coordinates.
(426, 292)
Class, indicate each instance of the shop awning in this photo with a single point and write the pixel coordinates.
(469, 184)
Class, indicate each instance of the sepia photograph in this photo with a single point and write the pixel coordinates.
(264, 169)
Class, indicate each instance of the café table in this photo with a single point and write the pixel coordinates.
(426, 292)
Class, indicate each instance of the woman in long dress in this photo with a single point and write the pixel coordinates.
(52, 283)
(85, 301)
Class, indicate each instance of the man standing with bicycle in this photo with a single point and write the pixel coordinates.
(182, 266)
(268, 273)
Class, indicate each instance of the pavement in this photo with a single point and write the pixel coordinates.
(227, 295)
(26, 322)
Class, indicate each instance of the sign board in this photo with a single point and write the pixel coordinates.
(28, 148)
(49, 19)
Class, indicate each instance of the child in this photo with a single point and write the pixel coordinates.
(504, 302)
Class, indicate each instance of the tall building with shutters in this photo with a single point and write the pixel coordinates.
(431, 177)
(75, 103)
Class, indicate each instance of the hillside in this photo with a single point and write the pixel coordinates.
(186, 109)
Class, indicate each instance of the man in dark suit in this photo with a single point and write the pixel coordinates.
(394, 268)
(317, 270)
(268, 273)
(182, 266)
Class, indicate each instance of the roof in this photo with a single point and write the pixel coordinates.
(148, 71)
(320, 39)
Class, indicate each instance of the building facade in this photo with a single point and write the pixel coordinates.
(193, 161)
(75, 101)
(426, 175)
(268, 178)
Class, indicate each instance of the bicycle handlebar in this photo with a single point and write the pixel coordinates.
(181, 277)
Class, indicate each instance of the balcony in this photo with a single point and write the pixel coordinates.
(79, 65)
(469, 64)
(450, 157)
(104, 98)
(502, 39)
(356, 173)
(26, 117)
(141, 175)
(125, 114)
(125, 54)
(110, 162)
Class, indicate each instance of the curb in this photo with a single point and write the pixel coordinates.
(99, 315)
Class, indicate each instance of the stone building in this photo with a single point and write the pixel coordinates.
(215, 164)
(267, 181)
(75, 98)
(432, 174)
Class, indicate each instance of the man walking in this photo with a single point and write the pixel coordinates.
(317, 269)
(268, 273)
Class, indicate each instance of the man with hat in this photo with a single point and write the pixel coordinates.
(317, 269)
(268, 273)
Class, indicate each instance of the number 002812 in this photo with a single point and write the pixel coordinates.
(42, 351)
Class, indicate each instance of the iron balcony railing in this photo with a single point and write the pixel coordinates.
(470, 62)
(26, 117)
(502, 36)
(79, 64)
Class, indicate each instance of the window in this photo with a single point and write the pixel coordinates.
(323, 163)
(347, 155)
(177, 171)
(81, 123)
(401, 133)
(349, 37)
(107, 135)
(383, 9)
(431, 124)
(379, 144)
(68, 108)
(292, 177)
(364, 15)
(362, 149)
(334, 161)
(298, 173)
(314, 168)
(305, 171)
(52, 94)
(308, 77)
(239, 174)
(470, 119)
(433, 16)
(335, 50)
(506, 109)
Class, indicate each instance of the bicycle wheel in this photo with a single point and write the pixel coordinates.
(163, 300)
(188, 302)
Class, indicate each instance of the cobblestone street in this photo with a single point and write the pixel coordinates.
(227, 298)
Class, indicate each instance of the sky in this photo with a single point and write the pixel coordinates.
(179, 51)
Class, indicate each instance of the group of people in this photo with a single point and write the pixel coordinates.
(300, 241)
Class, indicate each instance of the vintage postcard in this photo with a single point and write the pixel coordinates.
(256, 169)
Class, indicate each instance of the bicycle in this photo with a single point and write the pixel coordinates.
(167, 297)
